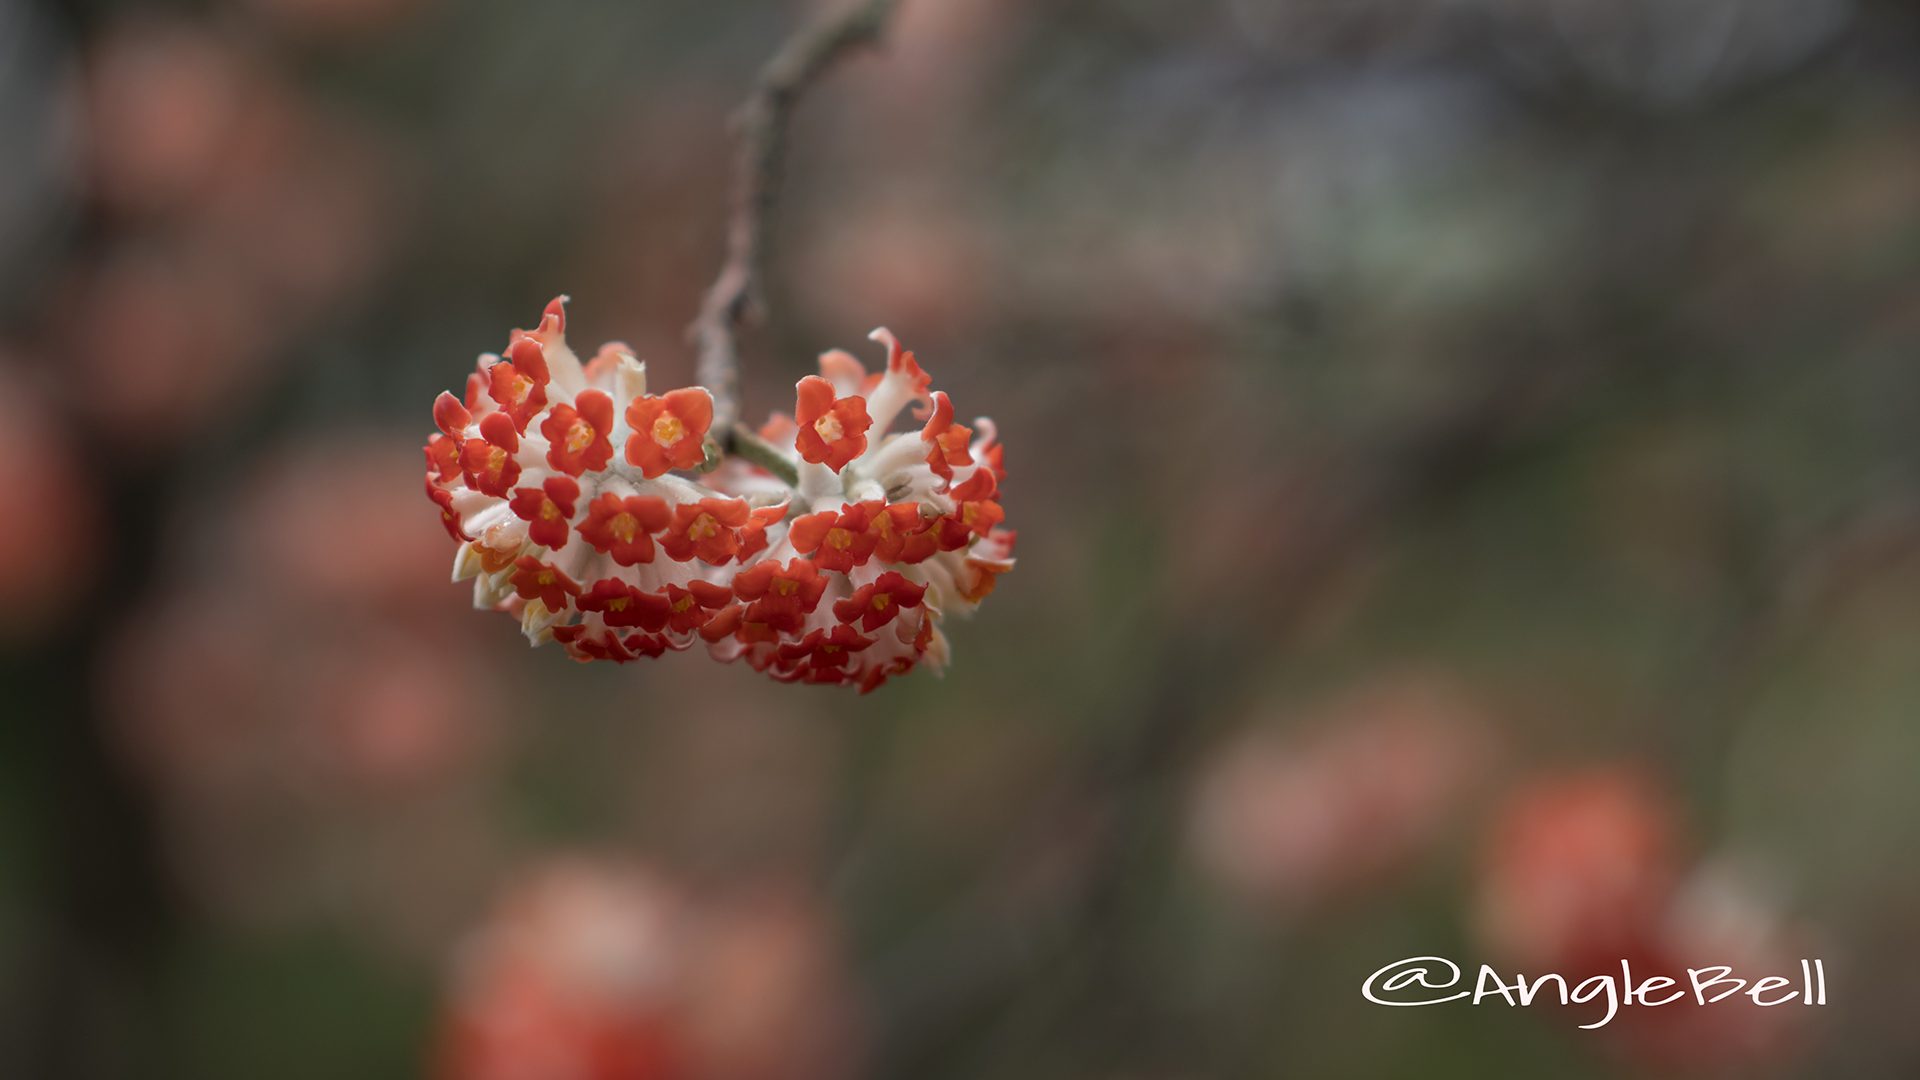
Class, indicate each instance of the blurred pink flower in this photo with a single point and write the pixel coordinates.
(335, 522)
(160, 341)
(48, 548)
(302, 682)
(1298, 819)
(767, 999)
(576, 975)
(595, 970)
(1588, 869)
(1577, 866)
(314, 636)
(247, 211)
(170, 105)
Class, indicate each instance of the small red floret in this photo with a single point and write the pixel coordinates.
(708, 530)
(832, 430)
(577, 439)
(535, 580)
(488, 461)
(519, 384)
(621, 605)
(874, 605)
(946, 441)
(669, 432)
(779, 597)
(839, 541)
(450, 416)
(902, 535)
(624, 527)
(547, 509)
(443, 499)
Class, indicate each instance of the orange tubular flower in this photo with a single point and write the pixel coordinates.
(623, 606)
(822, 649)
(444, 500)
(832, 431)
(488, 461)
(753, 536)
(519, 384)
(577, 433)
(780, 597)
(975, 512)
(443, 459)
(623, 527)
(902, 535)
(875, 604)
(946, 441)
(690, 608)
(838, 541)
(669, 432)
(535, 580)
(547, 509)
(708, 530)
(829, 555)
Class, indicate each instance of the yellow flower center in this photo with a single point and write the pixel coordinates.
(579, 436)
(702, 527)
(668, 430)
(785, 586)
(881, 600)
(683, 603)
(829, 428)
(839, 538)
(549, 510)
(618, 603)
(623, 526)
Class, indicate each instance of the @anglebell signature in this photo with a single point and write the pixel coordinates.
(1432, 980)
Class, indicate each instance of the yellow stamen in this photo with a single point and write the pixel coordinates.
(668, 430)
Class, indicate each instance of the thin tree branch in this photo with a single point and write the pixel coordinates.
(762, 121)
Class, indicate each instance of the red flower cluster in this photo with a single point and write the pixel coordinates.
(605, 518)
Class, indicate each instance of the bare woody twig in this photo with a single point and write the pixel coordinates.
(762, 122)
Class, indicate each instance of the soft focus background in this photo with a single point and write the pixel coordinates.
(1465, 454)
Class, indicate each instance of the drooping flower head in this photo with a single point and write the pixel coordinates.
(608, 519)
